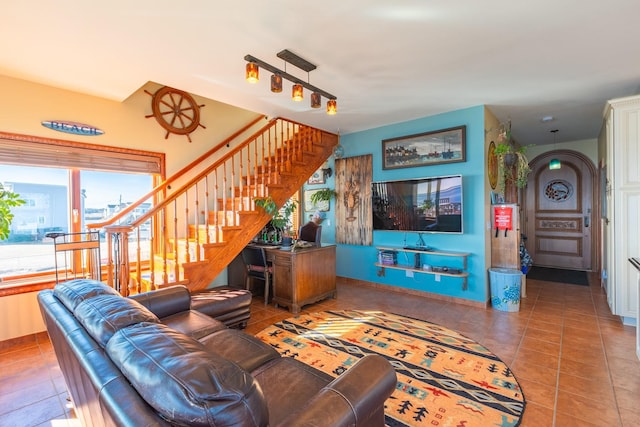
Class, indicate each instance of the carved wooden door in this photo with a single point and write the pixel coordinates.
(559, 212)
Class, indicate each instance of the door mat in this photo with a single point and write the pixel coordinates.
(572, 277)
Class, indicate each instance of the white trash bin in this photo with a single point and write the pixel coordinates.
(505, 288)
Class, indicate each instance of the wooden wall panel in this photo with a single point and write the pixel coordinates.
(354, 223)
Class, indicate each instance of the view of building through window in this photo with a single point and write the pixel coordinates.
(47, 192)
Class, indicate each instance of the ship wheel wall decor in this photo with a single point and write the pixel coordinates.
(176, 111)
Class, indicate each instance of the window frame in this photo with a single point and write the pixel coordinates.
(30, 150)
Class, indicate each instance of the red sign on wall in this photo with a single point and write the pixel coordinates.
(503, 217)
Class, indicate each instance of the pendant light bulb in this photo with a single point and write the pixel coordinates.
(554, 164)
(316, 100)
(252, 72)
(332, 107)
(296, 92)
(276, 83)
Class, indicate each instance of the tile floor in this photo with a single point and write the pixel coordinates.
(574, 360)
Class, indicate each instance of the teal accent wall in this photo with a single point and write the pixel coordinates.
(357, 262)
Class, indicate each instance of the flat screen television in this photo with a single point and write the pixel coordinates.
(429, 205)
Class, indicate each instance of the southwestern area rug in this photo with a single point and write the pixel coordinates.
(444, 378)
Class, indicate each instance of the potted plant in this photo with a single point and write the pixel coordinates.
(280, 217)
(513, 165)
(8, 200)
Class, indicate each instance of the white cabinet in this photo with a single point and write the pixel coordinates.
(635, 262)
(620, 141)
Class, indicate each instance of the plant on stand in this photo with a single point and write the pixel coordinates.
(280, 217)
(513, 165)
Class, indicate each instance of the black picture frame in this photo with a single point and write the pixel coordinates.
(425, 149)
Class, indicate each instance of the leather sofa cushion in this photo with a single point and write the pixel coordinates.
(193, 323)
(243, 349)
(288, 385)
(103, 315)
(183, 382)
(73, 292)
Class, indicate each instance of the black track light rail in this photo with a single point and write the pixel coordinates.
(291, 78)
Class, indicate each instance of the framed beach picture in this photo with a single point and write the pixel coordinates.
(424, 149)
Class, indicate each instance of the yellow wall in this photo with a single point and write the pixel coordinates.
(20, 316)
(25, 105)
(491, 126)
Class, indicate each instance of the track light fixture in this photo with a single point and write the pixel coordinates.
(253, 65)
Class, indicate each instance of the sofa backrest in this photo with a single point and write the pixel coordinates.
(166, 301)
(73, 292)
(96, 385)
(104, 315)
(172, 372)
(100, 309)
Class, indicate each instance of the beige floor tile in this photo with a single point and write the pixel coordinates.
(592, 410)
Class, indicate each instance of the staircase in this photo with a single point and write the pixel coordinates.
(200, 221)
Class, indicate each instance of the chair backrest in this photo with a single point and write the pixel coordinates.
(256, 260)
(308, 234)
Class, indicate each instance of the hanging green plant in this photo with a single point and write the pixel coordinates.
(513, 165)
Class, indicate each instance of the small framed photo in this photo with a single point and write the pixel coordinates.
(496, 198)
(317, 177)
(424, 149)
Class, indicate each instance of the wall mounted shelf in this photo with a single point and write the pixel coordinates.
(427, 253)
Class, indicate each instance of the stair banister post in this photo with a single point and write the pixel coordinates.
(118, 248)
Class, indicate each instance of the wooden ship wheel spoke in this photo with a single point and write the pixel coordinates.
(176, 111)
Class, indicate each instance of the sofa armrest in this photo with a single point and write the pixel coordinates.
(166, 301)
(355, 398)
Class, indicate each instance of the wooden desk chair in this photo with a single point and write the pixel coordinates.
(257, 266)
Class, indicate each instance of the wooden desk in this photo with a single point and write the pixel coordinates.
(304, 276)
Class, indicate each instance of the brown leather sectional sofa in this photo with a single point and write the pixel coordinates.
(152, 361)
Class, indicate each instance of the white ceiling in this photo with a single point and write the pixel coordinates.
(386, 61)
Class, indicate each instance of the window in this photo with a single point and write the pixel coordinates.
(65, 192)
